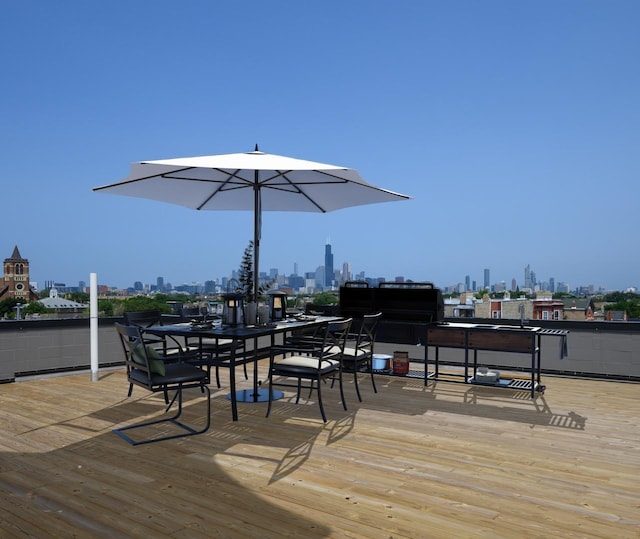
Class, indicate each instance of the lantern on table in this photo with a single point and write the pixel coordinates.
(277, 305)
(233, 309)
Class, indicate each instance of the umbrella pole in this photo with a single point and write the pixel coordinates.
(257, 232)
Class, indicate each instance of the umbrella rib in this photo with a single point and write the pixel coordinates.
(233, 181)
(283, 174)
(222, 185)
(142, 178)
(297, 187)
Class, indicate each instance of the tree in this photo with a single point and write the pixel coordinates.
(631, 306)
(480, 293)
(325, 298)
(7, 308)
(105, 306)
(80, 297)
(245, 277)
(614, 297)
(35, 307)
(562, 295)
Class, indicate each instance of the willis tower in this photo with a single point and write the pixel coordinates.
(328, 265)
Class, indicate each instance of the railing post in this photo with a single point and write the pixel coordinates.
(93, 323)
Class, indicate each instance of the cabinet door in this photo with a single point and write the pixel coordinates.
(502, 341)
(453, 338)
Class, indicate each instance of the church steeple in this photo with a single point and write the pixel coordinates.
(16, 254)
(15, 281)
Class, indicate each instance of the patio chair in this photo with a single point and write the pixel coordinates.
(358, 352)
(313, 365)
(213, 352)
(169, 347)
(148, 369)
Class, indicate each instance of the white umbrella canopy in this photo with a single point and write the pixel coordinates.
(254, 181)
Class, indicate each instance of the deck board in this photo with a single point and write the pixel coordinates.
(446, 460)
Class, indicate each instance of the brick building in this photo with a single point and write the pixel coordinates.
(15, 279)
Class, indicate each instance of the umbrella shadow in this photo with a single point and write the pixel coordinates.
(154, 482)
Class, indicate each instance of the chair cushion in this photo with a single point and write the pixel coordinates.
(350, 353)
(305, 364)
(156, 365)
(176, 373)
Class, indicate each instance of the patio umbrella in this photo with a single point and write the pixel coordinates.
(254, 181)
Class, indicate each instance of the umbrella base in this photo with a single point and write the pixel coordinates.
(261, 395)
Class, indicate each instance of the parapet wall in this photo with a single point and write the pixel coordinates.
(49, 346)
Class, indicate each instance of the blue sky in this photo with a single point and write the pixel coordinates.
(515, 127)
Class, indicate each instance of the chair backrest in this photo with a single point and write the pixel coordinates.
(335, 338)
(143, 319)
(135, 352)
(146, 367)
(367, 335)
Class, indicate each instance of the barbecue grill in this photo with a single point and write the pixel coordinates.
(407, 308)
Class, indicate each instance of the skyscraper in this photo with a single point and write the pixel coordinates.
(346, 271)
(328, 265)
(486, 278)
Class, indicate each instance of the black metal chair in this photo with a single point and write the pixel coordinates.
(358, 352)
(311, 364)
(212, 352)
(169, 347)
(148, 369)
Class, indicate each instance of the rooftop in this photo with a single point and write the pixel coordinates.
(446, 460)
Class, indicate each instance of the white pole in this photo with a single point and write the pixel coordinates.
(93, 316)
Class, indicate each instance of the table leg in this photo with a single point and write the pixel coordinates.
(256, 394)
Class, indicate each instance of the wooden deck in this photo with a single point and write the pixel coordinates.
(448, 461)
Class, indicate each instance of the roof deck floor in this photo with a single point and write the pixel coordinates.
(442, 461)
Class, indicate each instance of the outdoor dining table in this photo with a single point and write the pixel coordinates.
(242, 333)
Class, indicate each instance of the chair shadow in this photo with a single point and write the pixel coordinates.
(101, 452)
(297, 428)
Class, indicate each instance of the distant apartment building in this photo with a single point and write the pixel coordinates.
(542, 308)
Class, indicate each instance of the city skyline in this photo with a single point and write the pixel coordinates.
(528, 280)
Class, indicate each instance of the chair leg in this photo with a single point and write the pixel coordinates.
(232, 390)
(324, 417)
(344, 402)
(270, 396)
(373, 379)
(130, 390)
(355, 381)
(187, 430)
(299, 390)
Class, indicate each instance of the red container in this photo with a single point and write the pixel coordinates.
(401, 363)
